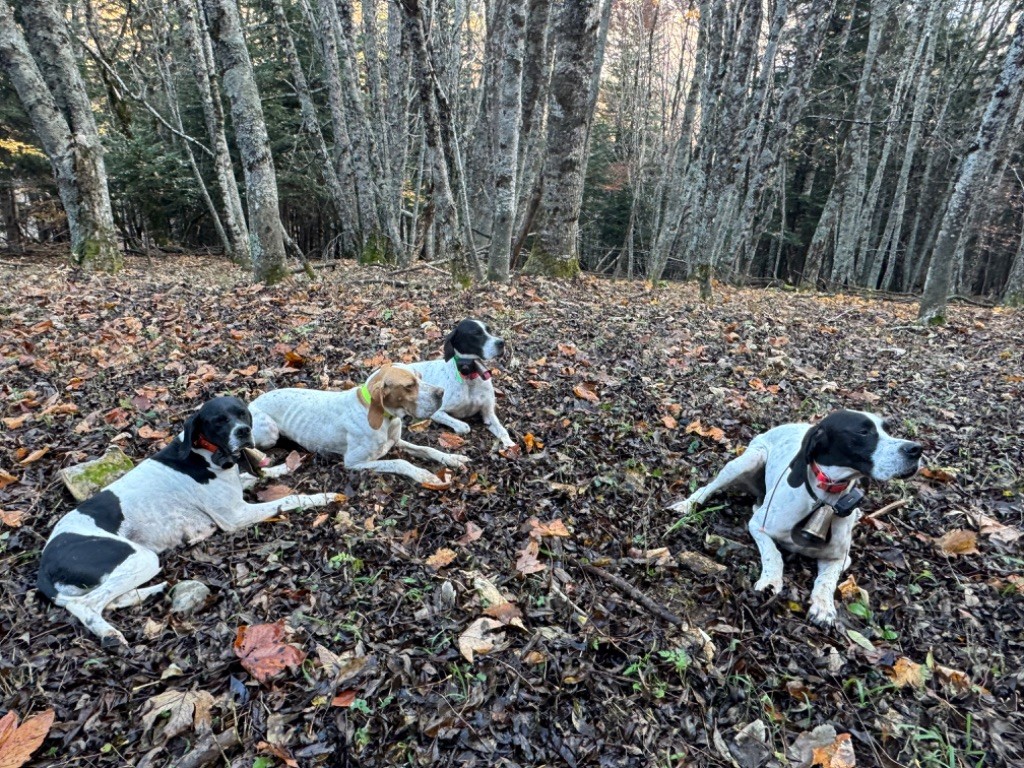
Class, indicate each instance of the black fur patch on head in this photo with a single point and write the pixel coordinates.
(842, 439)
(468, 338)
(80, 561)
(215, 422)
(105, 510)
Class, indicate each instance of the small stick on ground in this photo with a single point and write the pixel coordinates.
(888, 508)
(634, 594)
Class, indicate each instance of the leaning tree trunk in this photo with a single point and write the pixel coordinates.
(90, 218)
(266, 230)
(510, 26)
(1001, 107)
(556, 250)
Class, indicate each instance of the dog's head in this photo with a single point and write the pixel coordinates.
(398, 390)
(472, 339)
(224, 424)
(849, 444)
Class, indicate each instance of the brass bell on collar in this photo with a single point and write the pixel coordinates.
(815, 533)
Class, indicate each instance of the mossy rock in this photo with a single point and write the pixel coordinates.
(551, 265)
(87, 479)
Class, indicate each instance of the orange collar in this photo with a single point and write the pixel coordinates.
(206, 445)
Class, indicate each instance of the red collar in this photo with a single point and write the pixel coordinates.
(206, 445)
(826, 483)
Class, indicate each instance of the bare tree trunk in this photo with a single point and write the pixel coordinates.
(1001, 107)
(510, 28)
(1013, 294)
(556, 250)
(50, 85)
(266, 231)
(200, 54)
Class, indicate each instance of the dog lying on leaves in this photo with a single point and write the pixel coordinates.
(361, 424)
(101, 552)
(796, 470)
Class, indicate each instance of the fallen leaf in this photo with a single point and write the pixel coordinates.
(849, 590)
(532, 443)
(512, 452)
(450, 441)
(274, 492)
(14, 518)
(476, 640)
(262, 651)
(906, 673)
(669, 421)
(341, 667)
(989, 526)
(188, 709)
(839, 754)
(586, 391)
(441, 558)
(958, 542)
(444, 481)
(553, 528)
(18, 742)
(36, 455)
(715, 433)
(344, 699)
(939, 474)
(16, 422)
(527, 562)
(6, 478)
(473, 532)
(293, 461)
(146, 432)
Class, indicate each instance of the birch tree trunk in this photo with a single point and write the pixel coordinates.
(266, 231)
(510, 28)
(78, 152)
(1001, 108)
(556, 250)
(198, 45)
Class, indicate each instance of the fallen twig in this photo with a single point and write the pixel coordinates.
(210, 748)
(633, 593)
(888, 508)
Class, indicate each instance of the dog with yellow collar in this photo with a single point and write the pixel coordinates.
(360, 424)
(804, 478)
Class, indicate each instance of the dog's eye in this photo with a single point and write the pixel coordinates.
(865, 431)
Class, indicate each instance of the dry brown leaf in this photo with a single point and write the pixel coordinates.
(512, 452)
(17, 743)
(16, 422)
(669, 421)
(532, 443)
(989, 526)
(441, 558)
(6, 478)
(958, 542)
(527, 562)
(839, 754)
(340, 667)
(450, 441)
(715, 433)
(554, 528)
(274, 492)
(36, 455)
(939, 474)
(262, 651)
(188, 709)
(344, 699)
(13, 518)
(586, 391)
(444, 481)
(146, 432)
(473, 532)
(506, 612)
(476, 638)
(281, 753)
(293, 461)
(906, 673)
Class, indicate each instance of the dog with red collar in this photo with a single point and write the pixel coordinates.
(101, 553)
(804, 478)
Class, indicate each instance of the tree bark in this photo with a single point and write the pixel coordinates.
(50, 84)
(266, 231)
(1001, 107)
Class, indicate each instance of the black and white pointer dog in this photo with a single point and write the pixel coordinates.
(465, 379)
(795, 470)
(100, 553)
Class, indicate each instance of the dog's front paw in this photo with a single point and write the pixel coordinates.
(767, 581)
(822, 614)
(460, 428)
(113, 640)
(682, 507)
(455, 460)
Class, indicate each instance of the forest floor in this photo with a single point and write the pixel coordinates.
(623, 398)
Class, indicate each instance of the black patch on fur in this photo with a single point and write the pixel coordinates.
(842, 439)
(105, 510)
(468, 338)
(81, 561)
(215, 421)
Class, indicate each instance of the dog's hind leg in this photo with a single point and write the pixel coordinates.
(750, 462)
(117, 589)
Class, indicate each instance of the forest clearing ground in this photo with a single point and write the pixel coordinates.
(623, 398)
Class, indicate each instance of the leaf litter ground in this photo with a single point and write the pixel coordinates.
(622, 399)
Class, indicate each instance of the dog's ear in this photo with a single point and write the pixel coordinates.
(449, 348)
(815, 441)
(376, 413)
(181, 450)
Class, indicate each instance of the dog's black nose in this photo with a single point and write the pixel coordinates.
(501, 346)
(913, 450)
(244, 432)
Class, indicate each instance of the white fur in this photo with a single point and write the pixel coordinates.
(336, 422)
